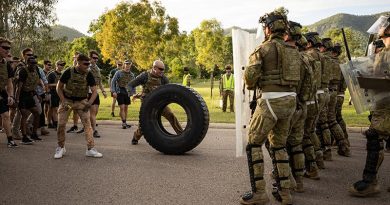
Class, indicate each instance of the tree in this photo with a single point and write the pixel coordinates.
(208, 40)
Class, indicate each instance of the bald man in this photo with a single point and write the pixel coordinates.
(150, 80)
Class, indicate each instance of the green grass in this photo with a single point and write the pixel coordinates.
(216, 114)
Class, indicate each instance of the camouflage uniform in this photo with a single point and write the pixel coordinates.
(274, 68)
(378, 131)
(150, 82)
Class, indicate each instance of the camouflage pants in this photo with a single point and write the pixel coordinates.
(225, 95)
(322, 122)
(272, 124)
(168, 114)
(63, 113)
(339, 116)
(311, 141)
(294, 140)
(334, 127)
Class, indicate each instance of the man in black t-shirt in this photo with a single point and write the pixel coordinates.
(72, 89)
(53, 78)
(6, 89)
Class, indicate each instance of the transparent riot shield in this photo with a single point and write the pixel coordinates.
(244, 43)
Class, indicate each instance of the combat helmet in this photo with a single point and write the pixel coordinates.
(337, 48)
(301, 43)
(327, 43)
(313, 38)
(276, 20)
(295, 30)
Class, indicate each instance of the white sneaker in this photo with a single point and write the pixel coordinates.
(59, 152)
(93, 153)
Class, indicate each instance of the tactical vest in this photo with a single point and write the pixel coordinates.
(96, 74)
(281, 64)
(185, 79)
(327, 67)
(125, 78)
(319, 63)
(317, 71)
(32, 80)
(77, 85)
(308, 85)
(3, 75)
(336, 71)
(152, 83)
(228, 84)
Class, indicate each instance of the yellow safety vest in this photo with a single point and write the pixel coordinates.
(185, 77)
(228, 84)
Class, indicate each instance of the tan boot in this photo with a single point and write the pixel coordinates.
(312, 172)
(343, 149)
(364, 189)
(328, 155)
(320, 159)
(286, 196)
(252, 198)
(299, 187)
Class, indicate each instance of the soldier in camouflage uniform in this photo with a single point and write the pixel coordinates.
(150, 80)
(379, 128)
(321, 98)
(333, 63)
(72, 90)
(274, 69)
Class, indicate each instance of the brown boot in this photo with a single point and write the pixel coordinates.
(312, 172)
(286, 196)
(320, 159)
(252, 198)
(328, 155)
(343, 149)
(299, 187)
(364, 189)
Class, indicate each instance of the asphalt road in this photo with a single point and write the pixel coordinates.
(127, 174)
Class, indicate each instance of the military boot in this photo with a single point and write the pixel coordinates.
(252, 198)
(320, 159)
(286, 196)
(312, 172)
(364, 188)
(343, 149)
(327, 154)
(299, 182)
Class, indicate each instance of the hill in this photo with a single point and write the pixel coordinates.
(60, 31)
(358, 23)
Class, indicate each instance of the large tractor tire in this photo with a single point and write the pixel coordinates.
(152, 127)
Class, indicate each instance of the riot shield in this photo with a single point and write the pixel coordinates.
(244, 43)
(381, 22)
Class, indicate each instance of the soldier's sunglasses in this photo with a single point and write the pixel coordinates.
(161, 69)
(62, 64)
(86, 64)
(6, 48)
(96, 58)
(48, 64)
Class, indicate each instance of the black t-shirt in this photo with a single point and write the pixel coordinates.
(51, 78)
(66, 76)
(11, 72)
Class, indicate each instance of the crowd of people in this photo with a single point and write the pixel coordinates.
(300, 91)
(32, 97)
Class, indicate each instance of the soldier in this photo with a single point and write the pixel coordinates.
(111, 75)
(313, 42)
(28, 79)
(47, 68)
(6, 90)
(73, 92)
(278, 83)
(186, 77)
(74, 128)
(307, 144)
(122, 91)
(379, 125)
(53, 79)
(150, 80)
(226, 88)
(95, 70)
(306, 91)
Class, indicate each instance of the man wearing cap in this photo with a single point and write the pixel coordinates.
(6, 89)
(150, 80)
(53, 79)
(122, 91)
(186, 77)
(72, 89)
(271, 119)
(226, 88)
(110, 76)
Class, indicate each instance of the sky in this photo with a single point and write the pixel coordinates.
(78, 14)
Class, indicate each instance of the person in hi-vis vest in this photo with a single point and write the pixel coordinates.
(226, 88)
(186, 77)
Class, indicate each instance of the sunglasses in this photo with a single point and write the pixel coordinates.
(29, 54)
(48, 64)
(119, 64)
(86, 64)
(6, 48)
(62, 64)
(96, 58)
(161, 69)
